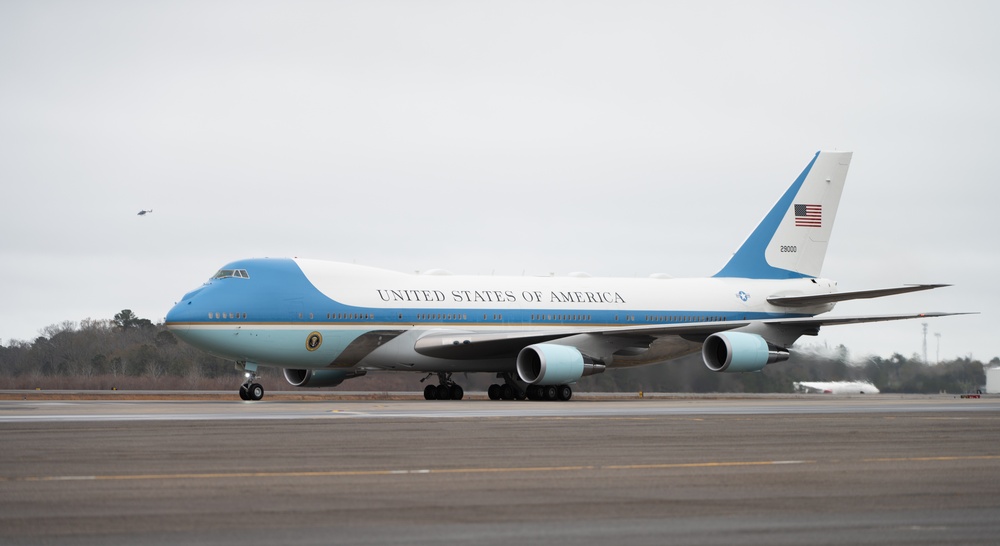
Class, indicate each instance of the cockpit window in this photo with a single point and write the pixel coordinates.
(231, 273)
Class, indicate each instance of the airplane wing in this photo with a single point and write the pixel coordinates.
(466, 345)
(819, 299)
(475, 345)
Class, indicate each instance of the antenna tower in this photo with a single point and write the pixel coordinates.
(925, 343)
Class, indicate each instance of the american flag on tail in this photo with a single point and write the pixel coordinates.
(809, 215)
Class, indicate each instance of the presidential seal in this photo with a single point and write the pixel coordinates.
(314, 340)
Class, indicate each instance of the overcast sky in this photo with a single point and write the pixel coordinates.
(617, 138)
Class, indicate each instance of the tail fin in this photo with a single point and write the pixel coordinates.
(790, 242)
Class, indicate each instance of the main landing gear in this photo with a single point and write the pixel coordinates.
(510, 390)
(445, 390)
(250, 389)
(549, 392)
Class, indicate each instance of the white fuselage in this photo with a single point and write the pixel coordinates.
(268, 317)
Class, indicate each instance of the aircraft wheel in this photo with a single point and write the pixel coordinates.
(533, 392)
(443, 392)
(550, 392)
(430, 392)
(506, 392)
(244, 395)
(565, 392)
(255, 392)
(457, 393)
(494, 392)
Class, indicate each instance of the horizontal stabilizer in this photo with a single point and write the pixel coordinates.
(820, 299)
(860, 319)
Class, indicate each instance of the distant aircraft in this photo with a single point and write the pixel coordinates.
(145, 212)
(326, 322)
(836, 387)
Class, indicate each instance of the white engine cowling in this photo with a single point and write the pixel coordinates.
(739, 352)
(319, 378)
(551, 364)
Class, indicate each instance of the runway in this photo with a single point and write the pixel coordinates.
(695, 470)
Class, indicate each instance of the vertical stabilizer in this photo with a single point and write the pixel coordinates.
(790, 242)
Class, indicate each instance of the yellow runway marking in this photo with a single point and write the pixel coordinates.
(496, 470)
(932, 459)
(702, 465)
(347, 473)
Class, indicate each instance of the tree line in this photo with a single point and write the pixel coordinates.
(129, 352)
(896, 374)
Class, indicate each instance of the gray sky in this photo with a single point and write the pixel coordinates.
(616, 138)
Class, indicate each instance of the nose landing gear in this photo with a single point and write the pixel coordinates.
(250, 390)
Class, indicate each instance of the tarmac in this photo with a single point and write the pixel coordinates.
(818, 469)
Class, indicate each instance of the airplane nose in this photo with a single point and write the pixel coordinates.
(184, 310)
(176, 314)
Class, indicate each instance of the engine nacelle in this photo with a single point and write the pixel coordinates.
(739, 352)
(550, 364)
(319, 378)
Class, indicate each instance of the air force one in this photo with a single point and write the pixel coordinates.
(326, 322)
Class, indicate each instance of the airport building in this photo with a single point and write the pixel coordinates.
(993, 380)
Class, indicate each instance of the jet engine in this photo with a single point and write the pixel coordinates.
(739, 352)
(319, 378)
(550, 364)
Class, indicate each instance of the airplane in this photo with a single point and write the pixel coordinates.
(326, 322)
(836, 387)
